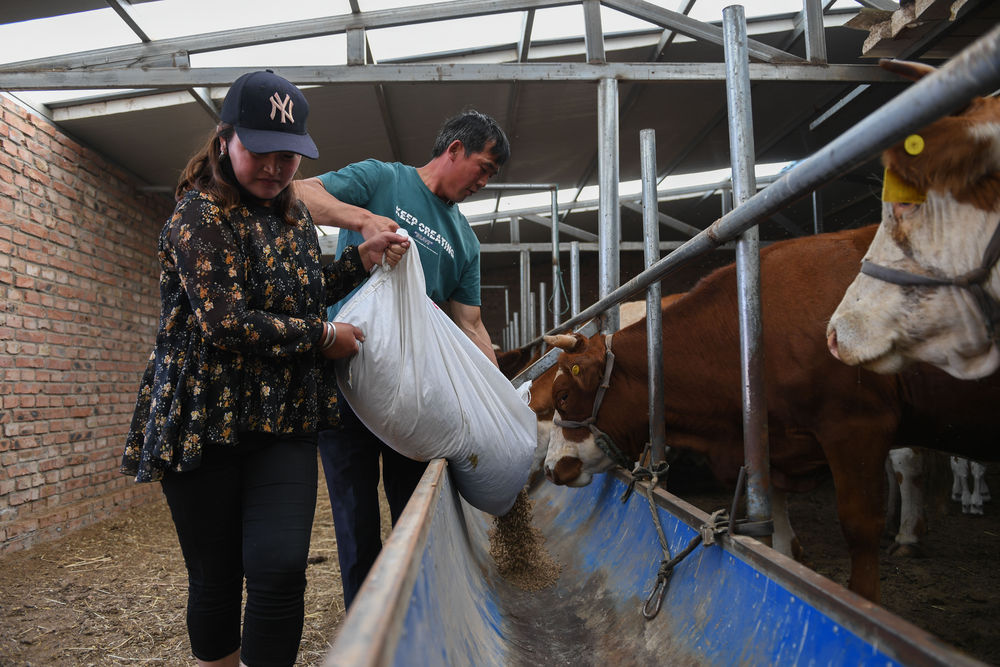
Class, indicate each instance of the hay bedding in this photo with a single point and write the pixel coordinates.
(79, 600)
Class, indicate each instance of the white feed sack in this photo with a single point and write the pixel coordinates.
(427, 391)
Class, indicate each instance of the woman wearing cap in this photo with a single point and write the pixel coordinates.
(240, 379)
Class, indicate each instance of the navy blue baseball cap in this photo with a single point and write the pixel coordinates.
(269, 114)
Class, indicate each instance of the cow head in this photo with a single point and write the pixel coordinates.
(573, 455)
(941, 206)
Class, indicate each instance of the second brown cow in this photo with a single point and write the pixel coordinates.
(823, 416)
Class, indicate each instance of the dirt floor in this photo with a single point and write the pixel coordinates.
(114, 593)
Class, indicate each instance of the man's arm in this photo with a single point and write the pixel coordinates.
(469, 320)
(328, 210)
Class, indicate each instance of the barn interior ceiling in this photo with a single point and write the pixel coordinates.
(150, 102)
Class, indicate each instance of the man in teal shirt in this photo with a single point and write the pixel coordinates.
(362, 199)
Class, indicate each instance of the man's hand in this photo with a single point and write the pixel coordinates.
(372, 224)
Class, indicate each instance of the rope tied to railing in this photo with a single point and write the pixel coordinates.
(718, 523)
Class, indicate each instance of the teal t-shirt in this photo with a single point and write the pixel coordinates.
(449, 249)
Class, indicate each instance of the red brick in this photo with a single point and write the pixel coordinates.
(78, 287)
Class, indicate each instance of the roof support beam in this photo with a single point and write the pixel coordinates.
(569, 230)
(666, 220)
(524, 41)
(204, 98)
(357, 43)
(665, 40)
(669, 35)
(886, 5)
(812, 14)
(694, 28)
(383, 106)
(593, 34)
(514, 100)
(124, 11)
(280, 32)
(129, 77)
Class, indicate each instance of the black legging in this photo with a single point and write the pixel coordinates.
(247, 509)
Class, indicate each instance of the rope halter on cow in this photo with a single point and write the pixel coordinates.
(973, 281)
(601, 439)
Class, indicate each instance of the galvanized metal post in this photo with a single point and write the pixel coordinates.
(556, 273)
(524, 335)
(654, 320)
(530, 320)
(574, 278)
(542, 303)
(817, 206)
(609, 228)
(975, 71)
(741, 151)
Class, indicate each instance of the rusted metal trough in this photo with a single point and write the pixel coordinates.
(435, 596)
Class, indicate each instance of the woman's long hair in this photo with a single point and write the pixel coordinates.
(209, 172)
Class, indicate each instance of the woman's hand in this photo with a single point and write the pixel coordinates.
(389, 244)
(346, 342)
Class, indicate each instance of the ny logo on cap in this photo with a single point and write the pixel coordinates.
(277, 104)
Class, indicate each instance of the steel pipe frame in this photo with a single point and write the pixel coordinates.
(654, 320)
(975, 71)
(741, 156)
(515, 240)
(609, 217)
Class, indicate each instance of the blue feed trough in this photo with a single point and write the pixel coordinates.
(435, 596)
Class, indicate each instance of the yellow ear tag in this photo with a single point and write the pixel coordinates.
(894, 189)
(574, 369)
(913, 144)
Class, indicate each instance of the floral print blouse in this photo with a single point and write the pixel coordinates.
(243, 299)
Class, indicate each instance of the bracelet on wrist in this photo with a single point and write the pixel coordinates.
(329, 335)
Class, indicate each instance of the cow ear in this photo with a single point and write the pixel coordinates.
(907, 69)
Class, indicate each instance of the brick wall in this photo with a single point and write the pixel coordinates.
(79, 304)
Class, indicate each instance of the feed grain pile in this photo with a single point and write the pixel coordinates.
(518, 548)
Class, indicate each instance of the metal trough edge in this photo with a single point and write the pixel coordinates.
(374, 631)
(901, 639)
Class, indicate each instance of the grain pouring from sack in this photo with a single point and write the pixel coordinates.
(518, 548)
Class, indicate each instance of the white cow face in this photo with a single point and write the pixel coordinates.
(574, 462)
(883, 326)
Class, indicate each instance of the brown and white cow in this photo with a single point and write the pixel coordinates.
(823, 416)
(941, 208)
(540, 389)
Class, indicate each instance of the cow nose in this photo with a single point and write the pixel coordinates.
(565, 471)
(831, 343)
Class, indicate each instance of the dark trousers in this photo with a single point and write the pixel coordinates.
(247, 511)
(351, 463)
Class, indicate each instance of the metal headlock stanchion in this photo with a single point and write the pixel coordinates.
(973, 72)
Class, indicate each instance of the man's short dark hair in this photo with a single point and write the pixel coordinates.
(475, 130)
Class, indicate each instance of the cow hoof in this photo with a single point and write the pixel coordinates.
(898, 550)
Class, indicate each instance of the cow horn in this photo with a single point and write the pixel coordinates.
(563, 341)
(907, 69)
